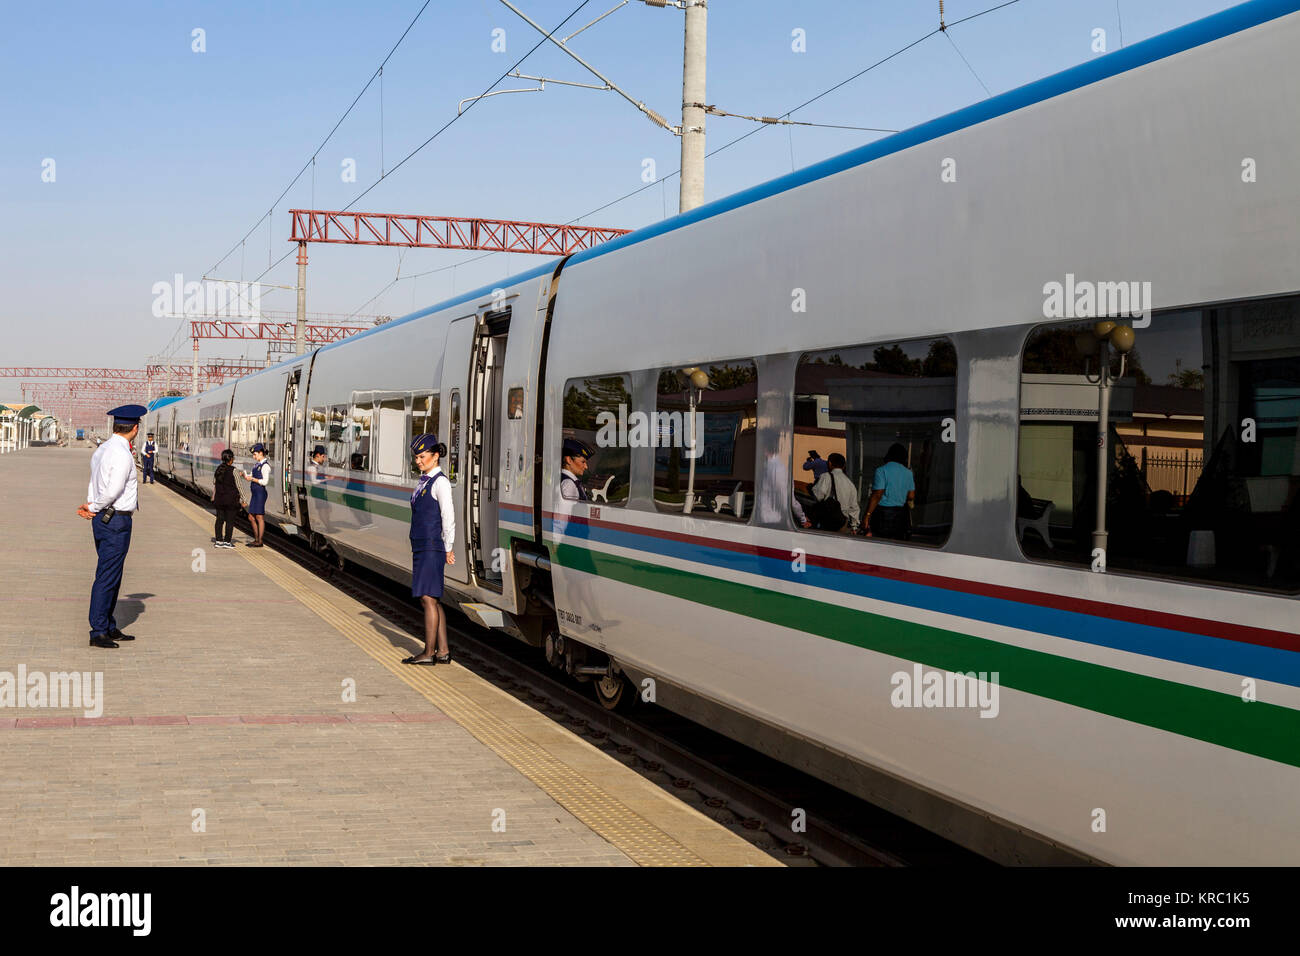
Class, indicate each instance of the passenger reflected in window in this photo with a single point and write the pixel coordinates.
(837, 498)
(893, 494)
(858, 401)
(816, 464)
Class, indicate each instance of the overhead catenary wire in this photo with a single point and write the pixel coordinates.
(442, 129)
(808, 102)
(715, 151)
(987, 92)
(329, 135)
(776, 120)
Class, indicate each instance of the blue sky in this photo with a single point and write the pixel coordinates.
(166, 158)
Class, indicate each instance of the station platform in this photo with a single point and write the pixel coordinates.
(223, 735)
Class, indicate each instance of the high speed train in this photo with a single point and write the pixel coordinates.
(992, 673)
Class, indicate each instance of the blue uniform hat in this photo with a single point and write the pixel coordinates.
(128, 414)
(259, 447)
(425, 442)
(318, 450)
(576, 449)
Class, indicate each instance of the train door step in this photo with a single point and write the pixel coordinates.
(484, 615)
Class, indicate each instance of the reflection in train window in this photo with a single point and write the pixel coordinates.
(424, 421)
(453, 438)
(704, 436)
(359, 451)
(885, 415)
(1202, 462)
(393, 442)
(515, 404)
(596, 412)
(318, 429)
(336, 447)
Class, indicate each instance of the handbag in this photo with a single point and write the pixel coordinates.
(827, 515)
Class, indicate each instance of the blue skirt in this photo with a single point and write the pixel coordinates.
(257, 500)
(426, 573)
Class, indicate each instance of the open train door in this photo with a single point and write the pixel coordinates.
(482, 461)
(171, 442)
(288, 445)
(455, 372)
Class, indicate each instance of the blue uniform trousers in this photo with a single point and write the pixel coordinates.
(112, 541)
(148, 469)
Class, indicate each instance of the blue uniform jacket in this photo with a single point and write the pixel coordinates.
(426, 517)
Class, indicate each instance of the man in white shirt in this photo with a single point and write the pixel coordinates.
(110, 503)
(835, 483)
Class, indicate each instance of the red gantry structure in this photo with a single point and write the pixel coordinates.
(445, 232)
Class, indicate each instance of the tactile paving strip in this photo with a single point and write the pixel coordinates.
(623, 827)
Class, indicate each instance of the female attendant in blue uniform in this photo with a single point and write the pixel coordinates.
(258, 478)
(433, 531)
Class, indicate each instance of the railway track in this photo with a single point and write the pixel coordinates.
(759, 798)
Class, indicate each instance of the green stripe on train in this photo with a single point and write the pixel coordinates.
(1265, 730)
(358, 502)
(387, 509)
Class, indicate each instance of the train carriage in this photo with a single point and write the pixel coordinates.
(1134, 690)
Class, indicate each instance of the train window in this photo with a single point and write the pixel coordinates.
(876, 425)
(336, 445)
(317, 429)
(271, 421)
(596, 412)
(392, 445)
(359, 446)
(424, 421)
(453, 437)
(704, 439)
(515, 404)
(1201, 457)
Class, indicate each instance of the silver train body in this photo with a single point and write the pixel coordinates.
(1112, 741)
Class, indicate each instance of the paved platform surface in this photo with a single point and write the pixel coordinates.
(225, 736)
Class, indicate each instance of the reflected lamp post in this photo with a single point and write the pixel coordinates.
(696, 381)
(1097, 343)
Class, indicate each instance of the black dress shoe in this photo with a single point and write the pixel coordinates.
(119, 636)
(102, 642)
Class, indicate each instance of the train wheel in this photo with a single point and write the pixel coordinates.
(614, 693)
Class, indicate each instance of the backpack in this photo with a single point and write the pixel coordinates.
(827, 515)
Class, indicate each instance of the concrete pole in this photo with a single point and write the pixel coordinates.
(693, 71)
(300, 326)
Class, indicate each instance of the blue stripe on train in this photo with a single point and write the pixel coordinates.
(1266, 663)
